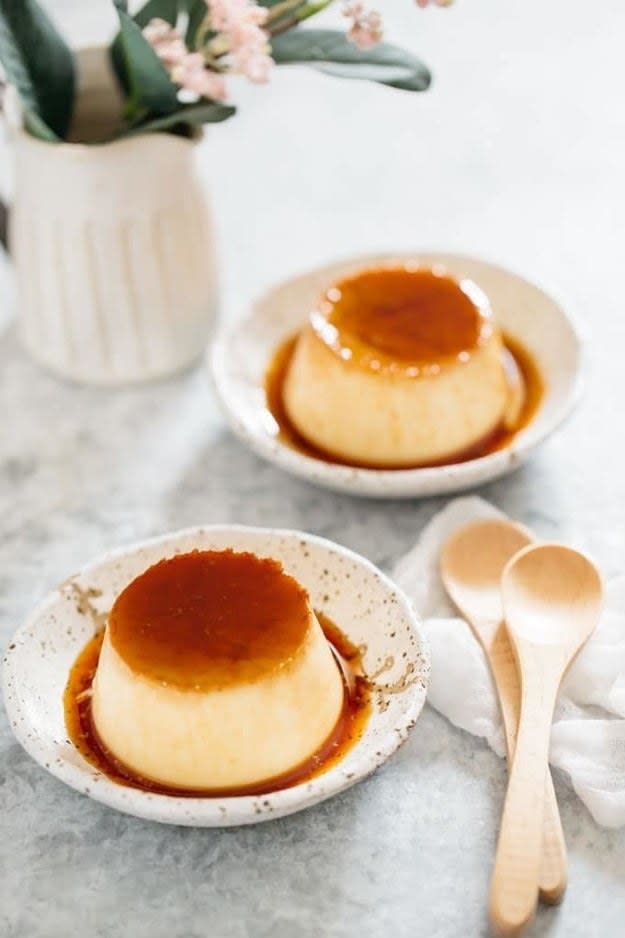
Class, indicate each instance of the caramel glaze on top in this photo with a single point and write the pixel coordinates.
(209, 619)
(391, 318)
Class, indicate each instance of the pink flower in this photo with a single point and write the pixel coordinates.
(240, 22)
(166, 41)
(365, 29)
(226, 13)
(253, 64)
(185, 68)
(192, 75)
(158, 31)
(171, 52)
(439, 3)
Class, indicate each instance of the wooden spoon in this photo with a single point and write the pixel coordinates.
(472, 563)
(552, 597)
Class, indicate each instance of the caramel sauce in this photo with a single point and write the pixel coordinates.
(521, 369)
(209, 619)
(347, 731)
(418, 316)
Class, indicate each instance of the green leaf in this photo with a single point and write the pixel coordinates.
(197, 11)
(330, 51)
(163, 9)
(149, 87)
(38, 62)
(159, 9)
(38, 128)
(192, 114)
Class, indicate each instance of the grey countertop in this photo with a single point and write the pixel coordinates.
(516, 154)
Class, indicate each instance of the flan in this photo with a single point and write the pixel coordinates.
(214, 674)
(398, 367)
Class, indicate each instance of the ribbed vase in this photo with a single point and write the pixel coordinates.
(113, 250)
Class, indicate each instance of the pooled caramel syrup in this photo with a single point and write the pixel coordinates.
(520, 367)
(347, 731)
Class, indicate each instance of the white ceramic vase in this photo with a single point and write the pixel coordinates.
(112, 245)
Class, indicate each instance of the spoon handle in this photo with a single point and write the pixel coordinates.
(553, 872)
(514, 885)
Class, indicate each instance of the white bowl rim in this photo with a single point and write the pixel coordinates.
(394, 483)
(219, 811)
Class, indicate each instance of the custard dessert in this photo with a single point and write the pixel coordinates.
(398, 366)
(214, 673)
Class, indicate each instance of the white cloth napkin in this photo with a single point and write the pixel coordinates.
(588, 736)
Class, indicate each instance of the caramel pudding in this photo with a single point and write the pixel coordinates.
(346, 733)
(400, 367)
(214, 674)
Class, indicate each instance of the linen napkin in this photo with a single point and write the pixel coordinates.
(588, 735)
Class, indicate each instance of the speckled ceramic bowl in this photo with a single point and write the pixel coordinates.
(241, 353)
(363, 602)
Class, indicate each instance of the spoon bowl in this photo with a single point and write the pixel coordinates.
(551, 596)
(472, 563)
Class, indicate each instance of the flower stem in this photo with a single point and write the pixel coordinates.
(312, 9)
(304, 11)
(202, 32)
(279, 10)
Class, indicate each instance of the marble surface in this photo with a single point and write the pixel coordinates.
(517, 154)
